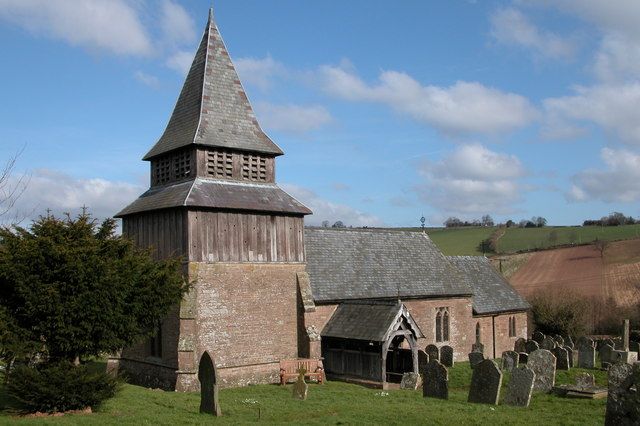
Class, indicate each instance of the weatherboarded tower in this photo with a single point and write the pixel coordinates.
(214, 201)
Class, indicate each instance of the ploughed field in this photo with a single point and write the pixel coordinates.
(337, 403)
(615, 275)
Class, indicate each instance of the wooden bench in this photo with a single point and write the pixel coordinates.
(289, 369)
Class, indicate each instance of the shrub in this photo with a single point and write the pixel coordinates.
(59, 387)
(561, 313)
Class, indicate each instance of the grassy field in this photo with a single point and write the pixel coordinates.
(335, 403)
(466, 241)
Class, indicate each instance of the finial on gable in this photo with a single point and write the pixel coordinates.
(211, 12)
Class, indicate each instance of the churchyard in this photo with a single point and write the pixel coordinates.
(338, 402)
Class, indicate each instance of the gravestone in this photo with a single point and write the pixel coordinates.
(435, 382)
(625, 335)
(543, 363)
(423, 360)
(477, 347)
(606, 353)
(520, 387)
(548, 343)
(570, 355)
(538, 337)
(208, 386)
(510, 360)
(523, 357)
(519, 345)
(531, 346)
(609, 342)
(409, 381)
(475, 358)
(559, 339)
(585, 341)
(300, 387)
(585, 380)
(623, 402)
(562, 358)
(485, 383)
(433, 352)
(617, 343)
(568, 341)
(446, 356)
(586, 357)
(624, 356)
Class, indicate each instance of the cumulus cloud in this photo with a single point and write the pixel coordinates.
(472, 180)
(618, 182)
(464, 107)
(292, 118)
(177, 26)
(180, 61)
(112, 25)
(510, 26)
(259, 72)
(60, 192)
(613, 107)
(326, 210)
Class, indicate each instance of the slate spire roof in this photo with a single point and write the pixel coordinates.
(213, 108)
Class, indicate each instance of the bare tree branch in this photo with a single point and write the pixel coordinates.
(11, 189)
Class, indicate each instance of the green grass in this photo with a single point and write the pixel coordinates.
(460, 241)
(336, 403)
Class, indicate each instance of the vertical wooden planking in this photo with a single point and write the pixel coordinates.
(254, 251)
(281, 238)
(223, 230)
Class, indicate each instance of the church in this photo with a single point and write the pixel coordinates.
(264, 287)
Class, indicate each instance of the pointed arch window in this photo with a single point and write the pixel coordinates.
(478, 333)
(439, 327)
(512, 326)
(445, 326)
(443, 320)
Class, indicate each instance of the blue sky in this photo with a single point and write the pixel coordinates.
(386, 111)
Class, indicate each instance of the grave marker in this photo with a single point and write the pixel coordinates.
(520, 387)
(543, 363)
(485, 383)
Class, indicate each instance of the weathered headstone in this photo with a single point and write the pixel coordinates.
(523, 357)
(543, 363)
(477, 347)
(475, 358)
(433, 352)
(585, 341)
(562, 358)
(435, 381)
(520, 387)
(538, 337)
(623, 402)
(559, 339)
(300, 387)
(510, 360)
(570, 355)
(568, 341)
(585, 380)
(519, 345)
(606, 353)
(208, 386)
(423, 360)
(531, 346)
(410, 381)
(586, 357)
(446, 356)
(485, 383)
(548, 343)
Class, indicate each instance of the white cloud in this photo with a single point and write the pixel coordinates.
(613, 107)
(473, 180)
(60, 192)
(618, 182)
(464, 107)
(326, 210)
(510, 26)
(180, 61)
(292, 118)
(259, 72)
(112, 25)
(147, 79)
(176, 24)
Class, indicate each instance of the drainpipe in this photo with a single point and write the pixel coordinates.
(493, 325)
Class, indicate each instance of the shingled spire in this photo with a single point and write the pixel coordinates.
(213, 109)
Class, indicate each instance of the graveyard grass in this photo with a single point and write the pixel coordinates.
(335, 403)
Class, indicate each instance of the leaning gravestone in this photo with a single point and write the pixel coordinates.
(520, 387)
(509, 360)
(543, 363)
(475, 358)
(559, 339)
(548, 343)
(485, 383)
(520, 345)
(409, 381)
(568, 341)
(208, 386)
(531, 346)
(538, 337)
(606, 353)
(423, 360)
(433, 352)
(523, 357)
(435, 382)
(623, 402)
(446, 356)
(562, 358)
(300, 387)
(570, 355)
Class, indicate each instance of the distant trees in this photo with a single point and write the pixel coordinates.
(338, 224)
(487, 220)
(601, 246)
(11, 188)
(613, 219)
(534, 222)
(454, 222)
(325, 223)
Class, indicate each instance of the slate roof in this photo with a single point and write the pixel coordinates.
(366, 320)
(219, 194)
(213, 108)
(491, 291)
(368, 264)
